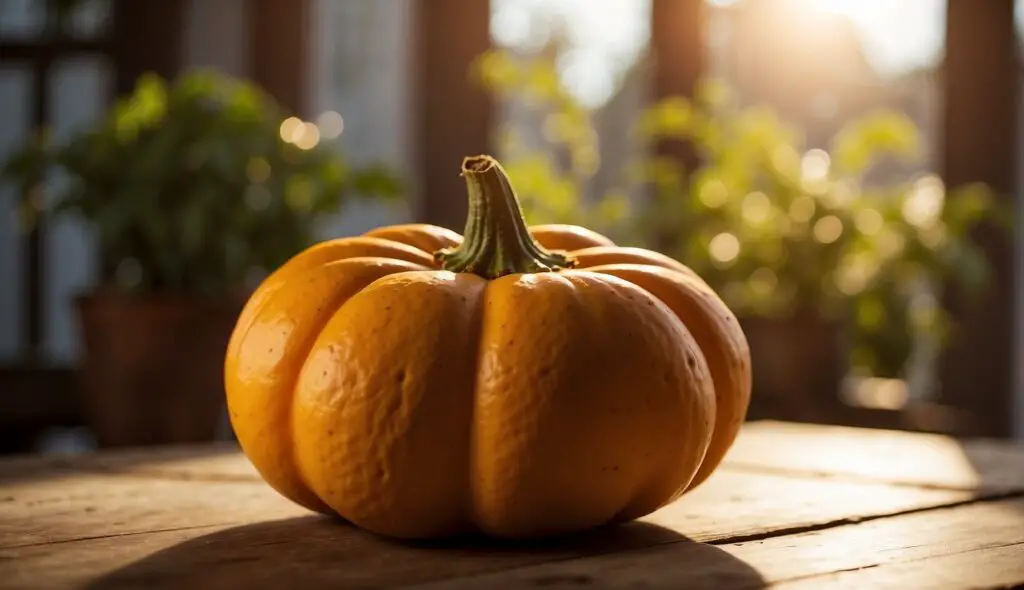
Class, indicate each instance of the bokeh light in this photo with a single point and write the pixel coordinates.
(828, 229)
(713, 193)
(308, 137)
(724, 248)
(330, 124)
(290, 129)
(756, 207)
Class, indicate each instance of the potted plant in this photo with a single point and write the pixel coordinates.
(195, 190)
(833, 272)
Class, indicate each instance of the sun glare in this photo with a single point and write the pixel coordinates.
(898, 35)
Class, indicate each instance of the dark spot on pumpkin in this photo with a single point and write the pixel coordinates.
(650, 303)
(463, 298)
(330, 432)
(387, 308)
(400, 376)
(90, 509)
(691, 361)
(510, 342)
(271, 350)
(545, 371)
(615, 468)
(728, 319)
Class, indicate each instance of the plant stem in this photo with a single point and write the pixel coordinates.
(497, 241)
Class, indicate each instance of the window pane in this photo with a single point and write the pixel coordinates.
(361, 72)
(21, 19)
(594, 49)
(79, 89)
(90, 18)
(215, 36)
(15, 112)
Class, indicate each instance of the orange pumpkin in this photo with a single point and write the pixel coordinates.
(518, 382)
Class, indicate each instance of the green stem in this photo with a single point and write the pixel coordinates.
(496, 241)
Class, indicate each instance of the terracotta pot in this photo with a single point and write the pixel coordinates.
(152, 367)
(797, 367)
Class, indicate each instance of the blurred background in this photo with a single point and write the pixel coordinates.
(846, 173)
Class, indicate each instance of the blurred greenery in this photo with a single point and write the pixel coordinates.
(775, 228)
(190, 186)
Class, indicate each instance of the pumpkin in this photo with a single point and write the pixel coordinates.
(517, 382)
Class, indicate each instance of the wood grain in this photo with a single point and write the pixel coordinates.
(219, 461)
(878, 455)
(83, 527)
(78, 505)
(795, 505)
(979, 545)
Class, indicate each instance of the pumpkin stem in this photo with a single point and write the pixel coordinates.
(496, 240)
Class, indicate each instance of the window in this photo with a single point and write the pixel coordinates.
(361, 73)
(57, 261)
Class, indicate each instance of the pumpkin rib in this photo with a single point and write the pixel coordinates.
(369, 458)
(549, 432)
(638, 505)
(355, 247)
(561, 236)
(422, 236)
(601, 255)
(285, 474)
(337, 303)
(720, 338)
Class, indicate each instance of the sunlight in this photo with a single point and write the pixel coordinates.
(601, 39)
(898, 35)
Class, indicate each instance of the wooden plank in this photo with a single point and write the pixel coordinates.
(978, 545)
(63, 509)
(71, 529)
(781, 448)
(215, 462)
(878, 455)
(1001, 567)
(730, 504)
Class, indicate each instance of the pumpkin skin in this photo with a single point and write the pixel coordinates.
(364, 381)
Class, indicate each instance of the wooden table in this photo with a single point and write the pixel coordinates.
(795, 506)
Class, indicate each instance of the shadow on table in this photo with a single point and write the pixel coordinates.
(314, 551)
